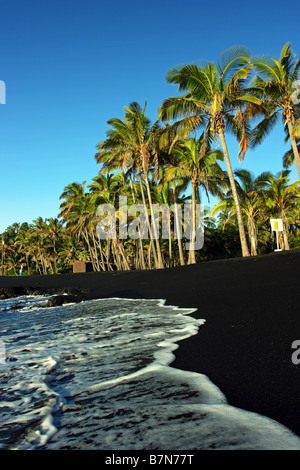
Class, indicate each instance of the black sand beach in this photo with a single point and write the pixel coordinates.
(251, 308)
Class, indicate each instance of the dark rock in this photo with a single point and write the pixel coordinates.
(10, 292)
(58, 300)
(17, 291)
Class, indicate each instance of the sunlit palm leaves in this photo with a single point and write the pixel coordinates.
(276, 84)
(213, 94)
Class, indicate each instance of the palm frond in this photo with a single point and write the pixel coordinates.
(177, 107)
(263, 129)
(288, 158)
(265, 66)
(192, 78)
(232, 61)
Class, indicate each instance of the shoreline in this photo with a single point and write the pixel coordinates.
(251, 312)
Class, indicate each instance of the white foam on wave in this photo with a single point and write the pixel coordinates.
(163, 356)
(140, 401)
(47, 429)
(225, 427)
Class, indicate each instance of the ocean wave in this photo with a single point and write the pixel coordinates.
(98, 375)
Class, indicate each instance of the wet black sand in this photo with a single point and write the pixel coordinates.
(252, 312)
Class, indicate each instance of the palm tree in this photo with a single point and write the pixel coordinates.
(171, 193)
(251, 205)
(276, 84)
(22, 243)
(280, 197)
(131, 144)
(212, 93)
(39, 236)
(10, 254)
(201, 172)
(53, 231)
(70, 195)
(288, 158)
(105, 189)
(72, 249)
(79, 215)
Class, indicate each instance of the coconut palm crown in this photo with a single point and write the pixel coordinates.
(215, 94)
(277, 84)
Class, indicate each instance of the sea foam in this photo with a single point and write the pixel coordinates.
(98, 375)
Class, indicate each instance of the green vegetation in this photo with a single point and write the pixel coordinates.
(172, 161)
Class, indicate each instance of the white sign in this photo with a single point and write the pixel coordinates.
(276, 225)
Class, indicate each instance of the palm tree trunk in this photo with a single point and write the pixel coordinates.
(86, 237)
(149, 256)
(27, 263)
(170, 244)
(116, 255)
(95, 251)
(141, 250)
(179, 239)
(140, 242)
(243, 239)
(160, 263)
(123, 255)
(252, 236)
(285, 231)
(102, 262)
(55, 257)
(43, 263)
(37, 266)
(105, 257)
(108, 253)
(192, 258)
(281, 240)
(294, 145)
(148, 222)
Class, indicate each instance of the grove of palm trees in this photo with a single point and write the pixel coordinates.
(174, 161)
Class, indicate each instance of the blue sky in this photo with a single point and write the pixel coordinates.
(71, 65)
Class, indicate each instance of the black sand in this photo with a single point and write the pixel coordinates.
(252, 312)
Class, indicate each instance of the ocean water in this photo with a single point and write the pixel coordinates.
(97, 375)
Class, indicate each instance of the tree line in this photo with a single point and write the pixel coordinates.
(173, 161)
